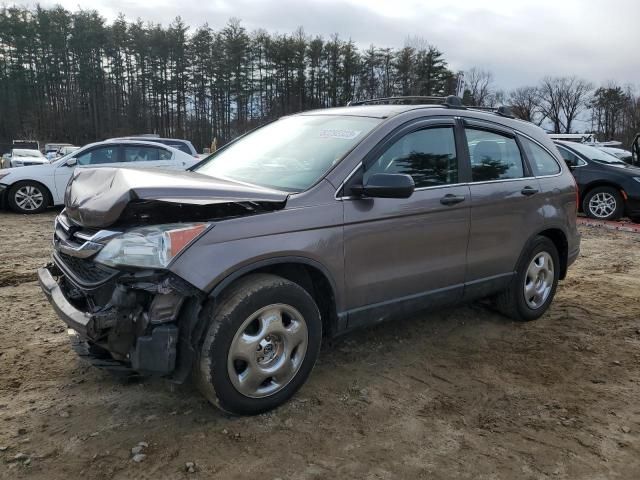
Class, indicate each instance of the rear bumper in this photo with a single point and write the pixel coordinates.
(3, 195)
(573, 255)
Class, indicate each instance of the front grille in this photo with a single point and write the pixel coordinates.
(84, 271)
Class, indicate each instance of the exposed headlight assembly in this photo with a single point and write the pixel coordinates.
(150, 247)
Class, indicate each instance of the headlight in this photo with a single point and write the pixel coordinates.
(151, 247)
(4, 174)
(637, 179)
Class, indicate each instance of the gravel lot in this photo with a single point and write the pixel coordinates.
(460, 393)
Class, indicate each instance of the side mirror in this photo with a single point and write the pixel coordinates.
(386, 185)
(72, 162)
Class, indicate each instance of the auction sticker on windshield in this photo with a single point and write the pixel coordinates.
(336, 133)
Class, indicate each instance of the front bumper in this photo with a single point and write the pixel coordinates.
(632, 206)
(79, 321)
(134, 329)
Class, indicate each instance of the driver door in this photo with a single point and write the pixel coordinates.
(403, 255)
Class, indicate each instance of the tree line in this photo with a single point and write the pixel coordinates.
(73, 76)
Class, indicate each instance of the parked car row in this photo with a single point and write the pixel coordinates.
(33, 188)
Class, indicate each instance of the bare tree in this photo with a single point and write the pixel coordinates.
(563, 99)
(496, 99)
(525, 104)
(550, 95)
(575, 98)
(478, 87)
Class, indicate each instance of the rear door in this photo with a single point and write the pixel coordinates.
(406, 254)
(506, 206)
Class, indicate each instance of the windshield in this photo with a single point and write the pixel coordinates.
(26, 153)
(595, 154)
(291, 154)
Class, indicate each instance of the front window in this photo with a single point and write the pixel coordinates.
(99, 156)
(429, 156)
(571, 158)
(291, 154)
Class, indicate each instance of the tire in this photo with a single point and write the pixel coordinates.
(520, 303)
(28, 197)
(229, 369)
(603, 203)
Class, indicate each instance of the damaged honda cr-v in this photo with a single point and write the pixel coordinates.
(313, 225)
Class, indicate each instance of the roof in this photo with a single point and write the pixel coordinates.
(373, 111)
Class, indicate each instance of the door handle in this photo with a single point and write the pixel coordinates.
(528, 191)
(450, 199)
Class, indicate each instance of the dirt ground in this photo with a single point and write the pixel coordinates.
(461, 393)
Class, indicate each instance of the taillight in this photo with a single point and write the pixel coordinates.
(575, 184)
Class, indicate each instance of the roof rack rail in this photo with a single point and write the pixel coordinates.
(450, 101)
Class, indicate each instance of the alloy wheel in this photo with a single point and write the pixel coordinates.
(602, 204)
(29, 198)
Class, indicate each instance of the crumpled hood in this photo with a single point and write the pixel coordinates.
(97, 197)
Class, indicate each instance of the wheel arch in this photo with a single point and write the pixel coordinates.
(599, 183)
(309, 274)
(559, 239)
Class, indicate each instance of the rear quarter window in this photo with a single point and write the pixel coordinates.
(541, 161)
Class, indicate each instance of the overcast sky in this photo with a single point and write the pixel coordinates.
(520, 41)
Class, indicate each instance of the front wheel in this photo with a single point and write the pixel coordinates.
(534, 283)
(603, 203)
(28, 197)
(262, 342)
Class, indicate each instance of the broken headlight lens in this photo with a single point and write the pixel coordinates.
(151, 247)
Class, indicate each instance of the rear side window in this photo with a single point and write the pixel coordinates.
(145, 154)
(541, 161)
(429, 156)
(493, 156)
(183, 147)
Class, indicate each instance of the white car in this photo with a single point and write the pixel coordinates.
(621, 153)
(24, 157)
(33, 189)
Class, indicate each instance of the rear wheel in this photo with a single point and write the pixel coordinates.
(534, 284)
(28, 197)
(262, 342)
(603, 203)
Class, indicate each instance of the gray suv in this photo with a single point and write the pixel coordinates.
(311, 226)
